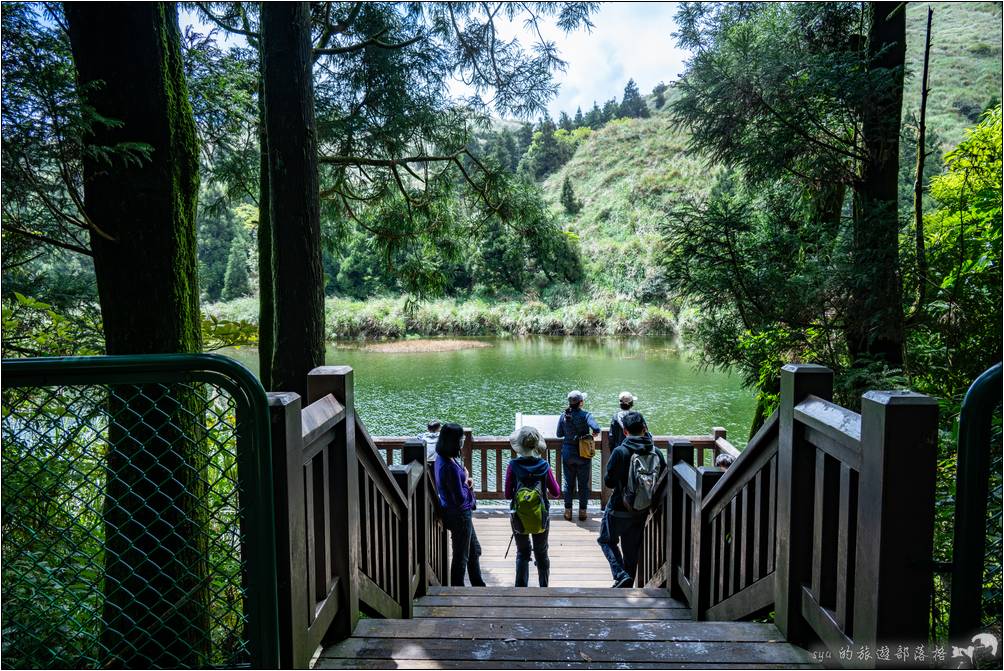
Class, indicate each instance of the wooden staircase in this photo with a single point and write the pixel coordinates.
(558, 627)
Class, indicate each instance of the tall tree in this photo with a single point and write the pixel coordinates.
(564, 122)
(632, 105)
(128, 61)
(876, 285)
(659, 91)
(578, 121)
(294, 206)
(571, 204)
(235, 281)
(810, 94)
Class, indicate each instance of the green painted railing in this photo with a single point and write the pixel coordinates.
(976, 555)
(138, 523)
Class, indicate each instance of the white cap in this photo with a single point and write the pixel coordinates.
(576, 395)
(627, 397)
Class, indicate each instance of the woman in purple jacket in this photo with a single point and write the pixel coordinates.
(456, 495)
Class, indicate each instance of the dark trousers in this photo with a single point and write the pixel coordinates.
(577, 478)
(466, 549)
(539, 556)
(627, 531)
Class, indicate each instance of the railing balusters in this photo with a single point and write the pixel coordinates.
(846, 539)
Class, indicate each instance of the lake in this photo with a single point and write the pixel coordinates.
(484, 388)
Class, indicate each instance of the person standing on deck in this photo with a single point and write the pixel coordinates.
(456, 495)
(573, 424)
(626, 401)
(623, 522)
(528, 484)
(431, 438)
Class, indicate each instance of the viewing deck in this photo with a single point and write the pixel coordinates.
(576, 559)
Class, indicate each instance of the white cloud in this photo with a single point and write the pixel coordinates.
(630, 40)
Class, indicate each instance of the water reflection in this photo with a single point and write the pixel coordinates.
(484, 388)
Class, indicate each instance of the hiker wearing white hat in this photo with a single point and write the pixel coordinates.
(626, 400)
(577, 428)
(529, 483)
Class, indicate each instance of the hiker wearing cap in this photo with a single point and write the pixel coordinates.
(626, 400)
(528, 483)
(430, 438)
(456, 495)
(576, 428)
(633, 473)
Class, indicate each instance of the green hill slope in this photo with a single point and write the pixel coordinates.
(629, 171)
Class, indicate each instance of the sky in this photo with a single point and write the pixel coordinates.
(628, 40)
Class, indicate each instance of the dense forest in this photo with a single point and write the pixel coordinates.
(763, 215)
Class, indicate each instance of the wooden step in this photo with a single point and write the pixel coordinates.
(505, 592)
(559, 627)
(506, 652)
(583, 630)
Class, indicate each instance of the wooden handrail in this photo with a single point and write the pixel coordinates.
(780, 528)
(488, 470)
(746, 464)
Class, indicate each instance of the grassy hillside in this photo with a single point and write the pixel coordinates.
(630, 170)
(965, 73)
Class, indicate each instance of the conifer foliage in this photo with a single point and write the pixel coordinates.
(632, 105)
(568, 200)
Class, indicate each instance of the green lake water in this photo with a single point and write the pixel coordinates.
(484, 388)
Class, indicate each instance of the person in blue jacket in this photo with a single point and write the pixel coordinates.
(456, 495)
(573, 424)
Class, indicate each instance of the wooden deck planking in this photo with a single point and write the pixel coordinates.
(576, 558)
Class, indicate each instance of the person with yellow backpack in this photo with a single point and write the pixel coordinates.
(528, 483)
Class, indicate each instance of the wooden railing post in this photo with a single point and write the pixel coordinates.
(892, 574)
(290, 529)
(405, 543)
(468, 452)
(795, 475)
(679, 451)
(701, 574)
(344, 478)
(604, 458)
(716, 433)
(414, 452)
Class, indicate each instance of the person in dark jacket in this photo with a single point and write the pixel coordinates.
(622, 524)
(528, 469)
(573, 424)
(456, 495)
(626, 401)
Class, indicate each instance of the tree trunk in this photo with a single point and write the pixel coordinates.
(875, 315)
(918, 184)
(128, 61)
(266, 278)
(293, 194)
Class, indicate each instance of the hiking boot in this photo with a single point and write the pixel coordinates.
(568, 514)
(582, 515)
(624, 581)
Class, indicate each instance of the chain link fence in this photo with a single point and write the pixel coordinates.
(130, 538)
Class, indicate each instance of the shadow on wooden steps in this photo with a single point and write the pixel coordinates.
(567, 628)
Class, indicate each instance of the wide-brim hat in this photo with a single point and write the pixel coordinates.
(627, 397)
(526, 441)
(576, 395)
